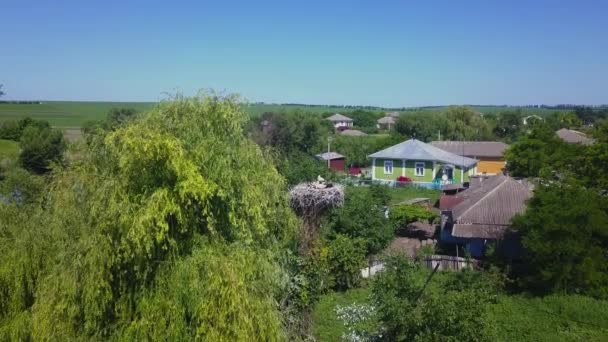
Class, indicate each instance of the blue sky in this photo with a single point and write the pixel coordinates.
(386, 53)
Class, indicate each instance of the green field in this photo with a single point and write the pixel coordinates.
(74, 114)
(8, 149)
(66, 114)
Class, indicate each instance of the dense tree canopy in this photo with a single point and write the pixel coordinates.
(40, 146)
(113, 248)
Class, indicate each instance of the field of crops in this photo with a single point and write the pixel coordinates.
(74, 114)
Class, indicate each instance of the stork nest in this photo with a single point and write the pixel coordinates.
(311, 199)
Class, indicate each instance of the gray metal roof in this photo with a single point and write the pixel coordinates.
(353, 132)
(417, 150)
(329, 156)
(488, 208)
(387, 120)
(473, 149)
(574, 137)
(339, 117)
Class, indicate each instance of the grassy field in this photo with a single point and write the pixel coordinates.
(399, 195)
(65, 114)
(74, 114)
(8, 149)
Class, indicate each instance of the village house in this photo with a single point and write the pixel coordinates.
(340, 121)
(574, 137)
(490, 154)
(335, 161)
(423, 163)
(388, 121)
(482, 213)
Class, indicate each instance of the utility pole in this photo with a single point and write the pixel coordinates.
(328, 150)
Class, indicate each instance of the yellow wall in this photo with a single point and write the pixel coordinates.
(490, 165)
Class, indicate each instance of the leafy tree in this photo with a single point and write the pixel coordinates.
(409, 311)
(508, 125)
(13, 129)
(300, 167)
(565, 235)
(364, 118)
(156, 226)
(119, 116)
(346, 258)
(40, 147)
(362, 216)
(403, 214)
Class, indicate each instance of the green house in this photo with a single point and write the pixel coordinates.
(422, 163)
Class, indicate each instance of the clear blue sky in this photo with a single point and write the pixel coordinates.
(386, 53)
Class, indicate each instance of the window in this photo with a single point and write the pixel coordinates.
(419, 169)
(388, 167)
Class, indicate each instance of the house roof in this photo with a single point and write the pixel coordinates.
(488, 208)
(574, 137)
(338, 117)
(387, 120)
(353, 132)
(329, 156)
(417, 150)
(473, 148)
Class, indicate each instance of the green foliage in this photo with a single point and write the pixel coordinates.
(552, 318)
(121, 225)
(13, 129)
(298, 167)
(218, 293)
(40, 147)
(356, 149)
(565, 235)
(437, 313)
(508, 125)
(404, 214)
(8, 150)
(540, 153)
(454, 123)
(364, 119)
(327, 325)
(362, 216)
(346, 258)
(20, 186)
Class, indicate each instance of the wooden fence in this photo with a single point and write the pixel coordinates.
(449, 263)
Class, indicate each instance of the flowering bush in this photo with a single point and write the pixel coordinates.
(360, 322)
(403, 180)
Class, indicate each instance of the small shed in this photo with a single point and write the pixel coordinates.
(335, 161)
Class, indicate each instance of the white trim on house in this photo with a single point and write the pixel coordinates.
(403, 167)
(434, 169)
(388, 162)
(374, 168)
(416, 169)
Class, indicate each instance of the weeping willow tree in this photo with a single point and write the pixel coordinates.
(166, 228)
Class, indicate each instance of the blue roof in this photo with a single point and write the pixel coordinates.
(417, 150)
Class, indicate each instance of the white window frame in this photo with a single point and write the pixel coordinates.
(386, 163)
(416, 169)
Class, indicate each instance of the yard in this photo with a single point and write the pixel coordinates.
(399, 195)
(8, 149)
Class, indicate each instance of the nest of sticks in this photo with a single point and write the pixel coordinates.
(309, 200)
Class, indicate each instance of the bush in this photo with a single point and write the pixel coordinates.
(40, 147)
(410, 312)
(346, 258)
(362, 216)
(402, 215)
(13, 129)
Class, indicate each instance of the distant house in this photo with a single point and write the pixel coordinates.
(353, 133)
(340, 121)
(574, 137)
(423, 163)
(483, 212)
(386, 122)
(490, 154)
(335, 161)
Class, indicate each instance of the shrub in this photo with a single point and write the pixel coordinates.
(346, 258)
(402, 215)
(40, 147)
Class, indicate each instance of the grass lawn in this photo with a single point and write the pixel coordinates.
(326, 325)
(402, 194)
(8, 149)
(552, 318)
